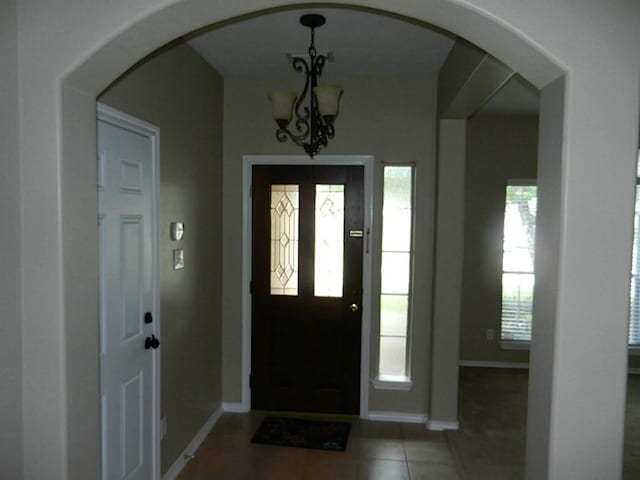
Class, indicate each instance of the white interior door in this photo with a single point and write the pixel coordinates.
(127, 151)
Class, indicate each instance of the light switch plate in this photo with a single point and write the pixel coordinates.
(163, 427)
(178, 259)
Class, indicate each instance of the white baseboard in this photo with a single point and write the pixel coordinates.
(396, 417)
(440, 426)
(234, 407)
(188, 452)
(483, 364)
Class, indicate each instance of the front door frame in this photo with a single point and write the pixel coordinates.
(367, 162)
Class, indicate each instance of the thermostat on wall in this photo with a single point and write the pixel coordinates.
(177, 230)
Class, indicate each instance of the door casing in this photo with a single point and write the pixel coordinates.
(248, 161)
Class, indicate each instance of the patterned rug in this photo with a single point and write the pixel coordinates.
(303, 433)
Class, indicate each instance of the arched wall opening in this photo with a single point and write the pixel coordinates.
(502, 31)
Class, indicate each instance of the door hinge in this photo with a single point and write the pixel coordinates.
(366, 248)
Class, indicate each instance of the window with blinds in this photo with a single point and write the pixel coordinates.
(634, 300)
(518, 276)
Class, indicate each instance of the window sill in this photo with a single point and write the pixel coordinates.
(514, 345)
(392, 382)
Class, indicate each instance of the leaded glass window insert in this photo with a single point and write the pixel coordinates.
(285, 219)
(329, 241)
(395, 281)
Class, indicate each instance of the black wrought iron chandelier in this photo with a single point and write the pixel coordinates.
(314, 122)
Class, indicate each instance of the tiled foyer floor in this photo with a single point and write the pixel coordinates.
(489, 445)
(374, 451)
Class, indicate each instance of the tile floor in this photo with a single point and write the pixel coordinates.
(490, 444)
(375, 450)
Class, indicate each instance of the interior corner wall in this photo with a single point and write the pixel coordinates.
(498, 148)
(181, 94)
(11, 449)
(391, 118)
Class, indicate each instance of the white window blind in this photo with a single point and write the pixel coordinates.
(518, 255)
(634, 303)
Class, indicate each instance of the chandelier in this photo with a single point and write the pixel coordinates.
(314, 122)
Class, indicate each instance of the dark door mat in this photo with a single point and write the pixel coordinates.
(303, 433)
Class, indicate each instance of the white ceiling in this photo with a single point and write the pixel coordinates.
(362, 44)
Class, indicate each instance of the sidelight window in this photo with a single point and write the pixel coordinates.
(395, 284)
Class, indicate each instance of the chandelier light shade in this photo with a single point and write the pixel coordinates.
(282, 107)
(328, 98)
(314, 116)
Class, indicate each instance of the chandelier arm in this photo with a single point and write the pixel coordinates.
(319, 137)
(329, 130)
(312, 78)
(300, 65)
(316, 126)
(302, 125)
(282, 134)
(318, 65)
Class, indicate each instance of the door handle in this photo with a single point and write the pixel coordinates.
(354, 307)
(151, 342)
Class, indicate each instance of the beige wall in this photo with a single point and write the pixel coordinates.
(498, 148)
(390, 118)
(10, 327)
(178, 92)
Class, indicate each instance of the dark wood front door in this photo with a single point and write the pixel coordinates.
(306, 288)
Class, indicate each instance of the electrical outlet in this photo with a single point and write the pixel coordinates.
(163, 427)
(490, 334)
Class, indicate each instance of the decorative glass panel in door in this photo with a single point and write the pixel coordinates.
(284, 239)
(329, 243)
